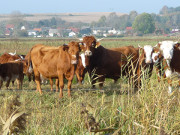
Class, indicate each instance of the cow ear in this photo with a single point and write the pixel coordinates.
(81, 45)
(159, 44)
(177, 46)
(140, 48)
(97, 44)
(65, 47)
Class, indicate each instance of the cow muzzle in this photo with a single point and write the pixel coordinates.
(148, 61)
(73, 62)
(88, 53)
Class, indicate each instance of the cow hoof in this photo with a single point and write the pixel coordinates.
(60, 95)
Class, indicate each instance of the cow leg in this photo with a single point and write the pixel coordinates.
(170, 85)
(179, 82)
(168, 73)
(57, 85)
(37, 80)
(7, 83)
(101, 82)
(158, 74)
(69, 88)
(13, 83)
(93, 82)
(61, 84)
(1, 83)
(79, 80)
(51, 83)
(21, 78)
(18, 84)
(138, 77)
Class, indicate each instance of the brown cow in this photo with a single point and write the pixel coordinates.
(8, 57)
(55, 62)
(80, 72)
(81, 68)
(10, 72)
(145, 61)
(158, 59)
(105, 63)
(170, 64)
(11, 57)
(132, 55)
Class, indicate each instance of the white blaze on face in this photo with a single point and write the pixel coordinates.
(83, 59)
(167, 48)
(155, 57)
(148, 52)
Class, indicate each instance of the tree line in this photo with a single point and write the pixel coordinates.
(144, 23)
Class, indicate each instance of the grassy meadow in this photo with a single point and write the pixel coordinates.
(113, 110)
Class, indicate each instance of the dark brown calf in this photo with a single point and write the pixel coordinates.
(11, 72)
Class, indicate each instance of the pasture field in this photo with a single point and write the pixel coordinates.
(115, 109)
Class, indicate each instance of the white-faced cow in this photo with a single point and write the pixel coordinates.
(168, 56)
(145, 61)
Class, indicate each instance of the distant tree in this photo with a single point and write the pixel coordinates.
(53, 22)
(132, 16)
(22, 33)
(102, 21)
(85, 31)
(164, 10)
(144, 23)
(2, 28)
(16, 18)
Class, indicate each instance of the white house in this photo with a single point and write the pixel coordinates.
(53, 32)
(113, 31)
(72, 34)
(23, 28)
(32, 33)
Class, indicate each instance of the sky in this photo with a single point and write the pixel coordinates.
(76, 6)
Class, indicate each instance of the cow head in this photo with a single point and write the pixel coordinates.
(156, 55)
(73, 49)
(167, 48)
(147, 53)
(90, 44)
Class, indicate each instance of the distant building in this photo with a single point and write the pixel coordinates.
(175, 30)
(37, 29)
(72, 34)
(129, 30)
(9, 29)
(10, 26)
(32, 33)
(100, 30)
(113, 31)
(23, 28)
(54, 32)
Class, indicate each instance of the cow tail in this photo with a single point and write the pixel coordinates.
(30, 67)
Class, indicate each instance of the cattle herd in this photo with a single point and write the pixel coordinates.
(88, 56)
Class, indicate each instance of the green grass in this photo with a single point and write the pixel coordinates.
(115, 108)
